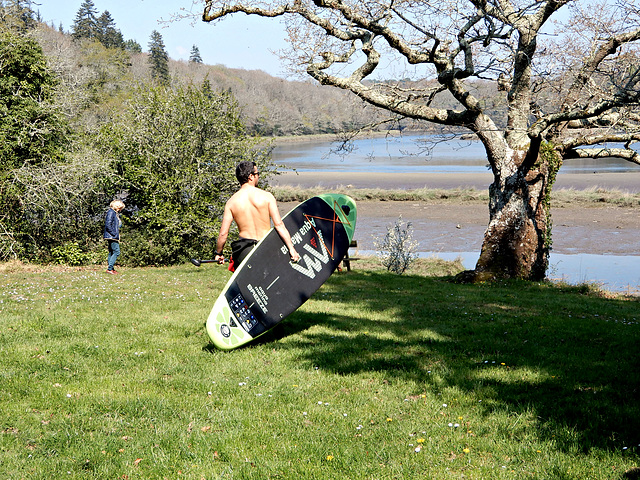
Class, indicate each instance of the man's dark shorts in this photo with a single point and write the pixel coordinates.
(239, 250)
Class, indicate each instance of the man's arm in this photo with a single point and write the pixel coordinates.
(227, 218)
(278, 224)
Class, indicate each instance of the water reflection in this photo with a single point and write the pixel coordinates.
(411, 154)
(612, 272)
(615, 273)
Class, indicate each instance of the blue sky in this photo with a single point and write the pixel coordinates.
(239, 41)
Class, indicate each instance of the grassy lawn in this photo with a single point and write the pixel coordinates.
(376, 377)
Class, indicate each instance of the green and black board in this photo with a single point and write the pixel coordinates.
(267, 286)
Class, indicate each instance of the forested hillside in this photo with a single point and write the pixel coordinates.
(95, 77)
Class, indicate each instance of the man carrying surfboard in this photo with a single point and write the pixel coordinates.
(253, 210)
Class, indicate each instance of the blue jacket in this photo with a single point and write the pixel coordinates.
(112, 225)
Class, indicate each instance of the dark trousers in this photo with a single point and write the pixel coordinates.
(239, 250)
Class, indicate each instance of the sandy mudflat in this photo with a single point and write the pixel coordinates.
(626, 182)
(596, 229)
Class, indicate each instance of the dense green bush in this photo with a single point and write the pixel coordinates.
(174, 153)
(70, 254)
(33, 135)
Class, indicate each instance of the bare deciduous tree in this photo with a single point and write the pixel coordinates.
(575, 88)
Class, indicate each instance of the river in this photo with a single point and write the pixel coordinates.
(407, 155)
(411, 154)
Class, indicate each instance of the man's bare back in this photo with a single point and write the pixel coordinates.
(252, 209)
(249, 207)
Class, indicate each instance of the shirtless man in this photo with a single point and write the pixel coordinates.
(252, 209)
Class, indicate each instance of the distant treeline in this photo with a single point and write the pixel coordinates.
(95, 62)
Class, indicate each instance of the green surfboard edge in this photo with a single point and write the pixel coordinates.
(348, 220)
(221, 313)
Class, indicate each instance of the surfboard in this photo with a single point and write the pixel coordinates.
(266, 287)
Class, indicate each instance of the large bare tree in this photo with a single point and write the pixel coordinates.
(565, 88)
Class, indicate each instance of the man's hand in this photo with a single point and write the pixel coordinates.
(219, 259)
(295, 258)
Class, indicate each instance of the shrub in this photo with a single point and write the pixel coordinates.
(175, 153)
(70, 254)
(397, 248)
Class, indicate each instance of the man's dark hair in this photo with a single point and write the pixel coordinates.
(243, 170)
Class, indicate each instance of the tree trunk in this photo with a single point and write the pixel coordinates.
(518, 239)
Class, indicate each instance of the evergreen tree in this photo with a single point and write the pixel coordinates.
(159, 59)
(85, 24)
(132, 46)
(107, 33)
(17, 15)
(195, 55)
(31, 130)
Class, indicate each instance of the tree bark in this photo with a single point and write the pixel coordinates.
(517, 241)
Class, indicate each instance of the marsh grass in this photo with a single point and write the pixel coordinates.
(377, 376)
(560, 197)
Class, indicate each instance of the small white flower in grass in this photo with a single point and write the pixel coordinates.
(319, 403)
(417, 449)
(209, 393)
(344, 414)
(456, 425)
(68, 395)
(359, 427)
(444, 405)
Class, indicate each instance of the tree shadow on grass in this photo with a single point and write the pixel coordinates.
(570, 358)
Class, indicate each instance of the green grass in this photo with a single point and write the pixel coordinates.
(377, 376)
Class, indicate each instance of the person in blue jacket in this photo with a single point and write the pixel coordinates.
(112, 225)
